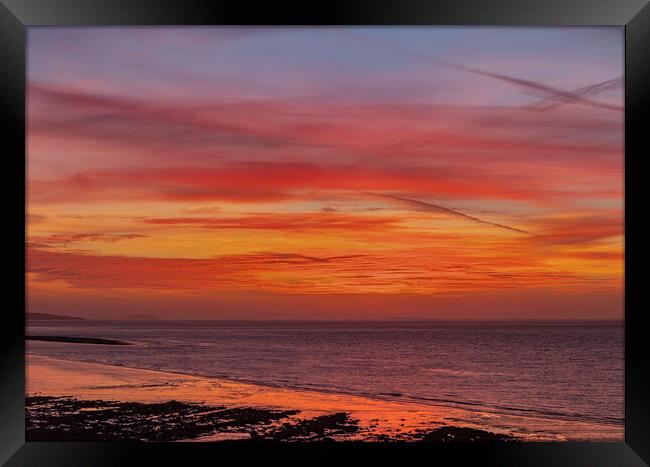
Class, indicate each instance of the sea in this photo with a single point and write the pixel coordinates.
(570, 371)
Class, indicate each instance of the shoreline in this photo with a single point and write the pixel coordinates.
(380, 398)
(48, 376)
(376, 419)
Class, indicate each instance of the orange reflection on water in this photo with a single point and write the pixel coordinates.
(57, 377)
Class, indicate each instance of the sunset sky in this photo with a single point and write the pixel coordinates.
(344, 173)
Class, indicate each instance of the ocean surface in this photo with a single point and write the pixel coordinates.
(561, 371)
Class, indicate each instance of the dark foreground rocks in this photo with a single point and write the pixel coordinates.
(458, 434)
(315, 429)
(69, 419)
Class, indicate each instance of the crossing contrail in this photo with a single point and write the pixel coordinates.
(586, 91)
(537, 88)
(559, 96)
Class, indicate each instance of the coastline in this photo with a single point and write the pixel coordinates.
(373, 419)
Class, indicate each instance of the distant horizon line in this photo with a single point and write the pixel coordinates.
(390, 319)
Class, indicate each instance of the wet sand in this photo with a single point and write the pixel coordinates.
(255, 411)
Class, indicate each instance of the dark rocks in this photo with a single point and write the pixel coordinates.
(315, 429)
(458, 434)
(69, 419)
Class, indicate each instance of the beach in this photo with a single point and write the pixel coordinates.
(93, 401)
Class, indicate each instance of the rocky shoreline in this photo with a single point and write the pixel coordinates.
(50, 418)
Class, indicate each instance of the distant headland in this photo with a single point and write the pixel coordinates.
(49, 316)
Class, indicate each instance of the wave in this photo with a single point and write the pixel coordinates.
(450, 372)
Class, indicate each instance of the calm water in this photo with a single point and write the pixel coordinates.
(560, 371)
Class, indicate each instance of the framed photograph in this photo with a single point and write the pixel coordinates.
(336, 233)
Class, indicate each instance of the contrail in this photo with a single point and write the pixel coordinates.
(422, 206)
(578, 97)
(592, 90)
(557, 94)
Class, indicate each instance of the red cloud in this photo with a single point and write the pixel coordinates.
(308, 145)
(274, 128)
(258, 181)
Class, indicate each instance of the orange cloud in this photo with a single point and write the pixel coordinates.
(67, 238)
(422, 271)
(581, 229)
(292, 222)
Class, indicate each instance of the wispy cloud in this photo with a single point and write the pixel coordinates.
(63, 239)
(425, 271)
(296, 222)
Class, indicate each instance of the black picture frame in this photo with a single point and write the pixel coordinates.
(17, 15)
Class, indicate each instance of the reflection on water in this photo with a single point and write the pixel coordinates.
(550, 372)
